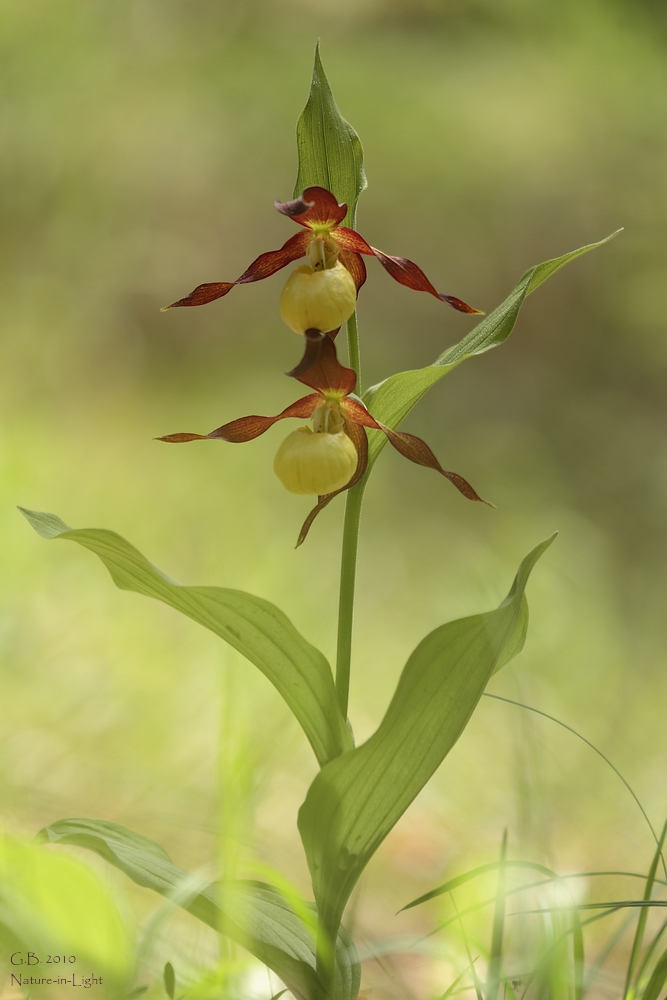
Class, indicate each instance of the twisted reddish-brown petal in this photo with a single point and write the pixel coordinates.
(355, 265)
(405, 271)
(263, 267)
(350, 239)
(326, 372)
(410, 447)
(360, 441)
(247, 428)
(316, 206)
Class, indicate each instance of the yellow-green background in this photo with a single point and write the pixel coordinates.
(142, 144)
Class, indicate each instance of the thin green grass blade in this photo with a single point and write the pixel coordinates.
(330, 151)
(254, 914)
(450, 990)
(357, 799)
(454, 883)
(641, 972)
(578, 956)
(616, 904)
(657, 980)
(643, 917)
(496, 953)
(391, 400)
(253, 626)
(471, 961)
(517, 890)
(618, 774)
(596, 967)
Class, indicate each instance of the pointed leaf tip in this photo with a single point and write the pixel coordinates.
(527, 566)
(257, 629)
(46, 525)
(329, 150)
(356, 799)
(391, 401)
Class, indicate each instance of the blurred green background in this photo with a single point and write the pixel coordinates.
(143, 142)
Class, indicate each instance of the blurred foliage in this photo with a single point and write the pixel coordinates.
(143, 142)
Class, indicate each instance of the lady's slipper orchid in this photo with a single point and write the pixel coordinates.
(318, 300)
(322, 462)
(316, 462)
(328, 245)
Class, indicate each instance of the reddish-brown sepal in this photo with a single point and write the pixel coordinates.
(247, 428)
(263, 267)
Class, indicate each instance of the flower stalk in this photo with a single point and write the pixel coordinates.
(348, 573)
(350, 547)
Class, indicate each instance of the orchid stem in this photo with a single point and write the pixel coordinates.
(348, 567)
(348, 570)
(353, 349)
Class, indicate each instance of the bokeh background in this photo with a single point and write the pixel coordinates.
(143, 142)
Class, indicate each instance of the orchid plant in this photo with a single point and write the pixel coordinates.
(361, 791)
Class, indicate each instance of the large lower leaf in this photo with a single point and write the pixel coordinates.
(254, 914)
(391, 400)
(355, 800)
(255, 627)
(330, 153)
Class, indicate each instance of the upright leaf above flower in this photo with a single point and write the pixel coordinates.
(334, 455)
(329, 150)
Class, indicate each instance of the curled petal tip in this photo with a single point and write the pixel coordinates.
(460, 305)
(298, 206)
(179, 438)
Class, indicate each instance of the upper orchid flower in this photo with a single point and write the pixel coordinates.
(333, 456)
(321, 296)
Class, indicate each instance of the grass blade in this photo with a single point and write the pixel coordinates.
(657, 980)
(493, 977)
(545, 715)
(643, 916)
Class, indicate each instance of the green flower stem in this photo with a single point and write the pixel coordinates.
(348, 568)
(353, 349)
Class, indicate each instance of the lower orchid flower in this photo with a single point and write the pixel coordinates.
(321, 295)
(332, 457)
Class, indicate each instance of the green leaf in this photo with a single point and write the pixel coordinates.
(330, 152)
(355, 800)
(254, 914)
(517, 640)
(658, 979)
(391, 401)
(256, 628)
(51, 904)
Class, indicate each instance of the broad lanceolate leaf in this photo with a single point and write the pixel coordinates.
(254, 914)
(355, 800)
(391, 400)
(330, 153)
(254, 627)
